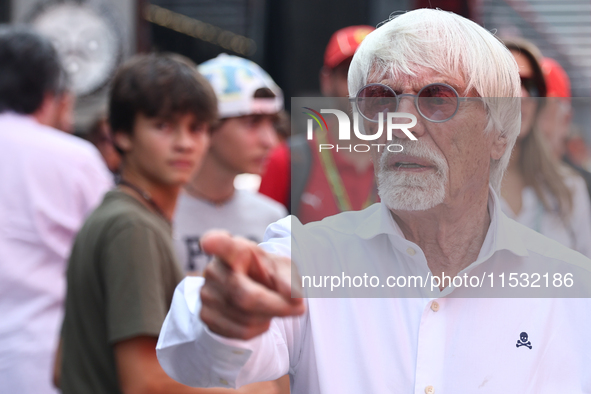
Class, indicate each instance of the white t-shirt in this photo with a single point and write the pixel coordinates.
(576, 234)
(246, 214)
(50, 182)
(398, 345)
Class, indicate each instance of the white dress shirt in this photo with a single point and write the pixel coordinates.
(50, 182)
(575, 233)
(398, 345)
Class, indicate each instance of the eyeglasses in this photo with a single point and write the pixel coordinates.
(436, 102)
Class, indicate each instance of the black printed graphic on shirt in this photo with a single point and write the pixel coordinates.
(197, 259)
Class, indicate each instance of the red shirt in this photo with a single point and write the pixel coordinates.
(275, 182)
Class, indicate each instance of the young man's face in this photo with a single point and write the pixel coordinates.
(165, 152)
(242, 144)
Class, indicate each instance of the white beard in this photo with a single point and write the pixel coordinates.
(408, 191)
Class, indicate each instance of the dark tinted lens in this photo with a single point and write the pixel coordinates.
(438, 102)
(375, 98)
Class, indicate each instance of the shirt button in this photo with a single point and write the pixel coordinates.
(410, 251)
(224, 381)
(434, 306)
(238, 351)
(429, 390)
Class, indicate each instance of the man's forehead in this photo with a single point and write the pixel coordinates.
(422, 76)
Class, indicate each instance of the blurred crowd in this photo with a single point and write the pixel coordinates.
(95, 234)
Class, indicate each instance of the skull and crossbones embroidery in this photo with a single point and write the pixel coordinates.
(522, 341)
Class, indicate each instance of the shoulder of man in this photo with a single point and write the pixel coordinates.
(119, 211)
(49, 138)
(68, 157)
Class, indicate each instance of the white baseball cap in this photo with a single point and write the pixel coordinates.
(235, 81)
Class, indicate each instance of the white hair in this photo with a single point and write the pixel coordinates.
(452, 46)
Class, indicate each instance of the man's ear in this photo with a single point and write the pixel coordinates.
(498, 147)
(122, 141)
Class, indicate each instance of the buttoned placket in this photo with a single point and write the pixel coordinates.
(432, 329)
(431, 347)
(431, 338)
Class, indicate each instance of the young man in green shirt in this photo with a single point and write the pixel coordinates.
(122, 271)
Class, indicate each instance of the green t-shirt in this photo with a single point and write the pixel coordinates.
(121, 277)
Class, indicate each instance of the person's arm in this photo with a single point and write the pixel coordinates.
(140, 373)
(248, 327)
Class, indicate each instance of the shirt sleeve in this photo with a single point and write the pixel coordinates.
(194, 356)
(136, 283)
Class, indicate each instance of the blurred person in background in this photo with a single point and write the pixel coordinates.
(122, 271)
(326, 183)
(62, 115)
(283, 126)
(538, 190)
(577, 150)
(276, 178)
(50, 182)
(556, 115)
(100, 136)
(59, 111)
(249, 104)
(556, 118)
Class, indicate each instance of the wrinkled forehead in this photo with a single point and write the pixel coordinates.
(418, 77)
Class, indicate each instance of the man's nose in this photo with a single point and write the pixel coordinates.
(406, 104)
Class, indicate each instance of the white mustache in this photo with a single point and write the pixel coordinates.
(416, 149)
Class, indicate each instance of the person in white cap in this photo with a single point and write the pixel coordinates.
(248, 103)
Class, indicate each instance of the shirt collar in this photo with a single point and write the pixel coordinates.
(502, 233)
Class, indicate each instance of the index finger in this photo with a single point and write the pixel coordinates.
(252, 297)
(236, 253)
(245, 257)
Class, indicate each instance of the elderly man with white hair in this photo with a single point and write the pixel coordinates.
(439, 216)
